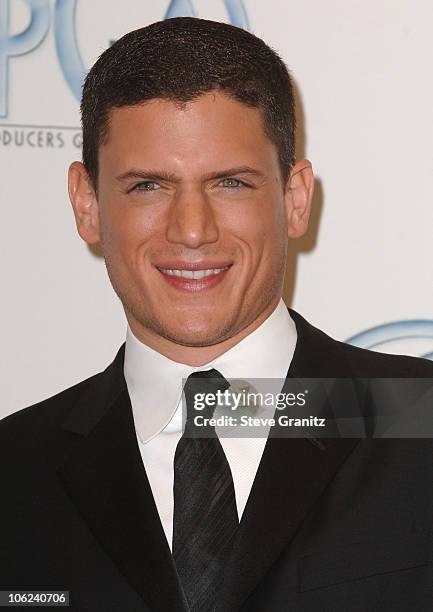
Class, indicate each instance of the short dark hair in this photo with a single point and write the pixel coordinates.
(179, 59)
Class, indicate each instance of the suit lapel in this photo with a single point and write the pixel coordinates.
(292, 475)
(105, 478)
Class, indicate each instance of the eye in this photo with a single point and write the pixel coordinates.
(146, 186)
(232, 183)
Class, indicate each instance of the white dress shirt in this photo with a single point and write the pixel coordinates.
(155, 387)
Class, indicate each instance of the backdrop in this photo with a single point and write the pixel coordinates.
(363, 72)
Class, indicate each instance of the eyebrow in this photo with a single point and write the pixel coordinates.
(173, 178)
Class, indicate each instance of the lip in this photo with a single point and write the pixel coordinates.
(193, 285)
(189, 265)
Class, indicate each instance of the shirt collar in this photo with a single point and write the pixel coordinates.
(155, 382)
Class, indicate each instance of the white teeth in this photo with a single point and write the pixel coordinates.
(195, 274)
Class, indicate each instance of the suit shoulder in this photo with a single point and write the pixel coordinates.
(43, 423)
(326, 356)
(48, 411)
(366, 362)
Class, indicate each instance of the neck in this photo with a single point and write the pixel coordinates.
(195, 355)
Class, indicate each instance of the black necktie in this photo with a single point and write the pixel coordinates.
(205, 517)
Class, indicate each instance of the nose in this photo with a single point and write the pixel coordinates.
(191, 220)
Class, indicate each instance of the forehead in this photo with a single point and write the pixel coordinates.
(211, 130)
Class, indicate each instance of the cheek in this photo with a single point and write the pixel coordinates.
(260, 226)
(126, 231)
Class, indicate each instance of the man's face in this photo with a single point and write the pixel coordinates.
(192, 217)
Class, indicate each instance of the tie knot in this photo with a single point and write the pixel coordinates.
(202, 390)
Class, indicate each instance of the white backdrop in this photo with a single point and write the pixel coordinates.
(363, 72)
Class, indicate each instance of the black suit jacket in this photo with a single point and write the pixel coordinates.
(341, 525)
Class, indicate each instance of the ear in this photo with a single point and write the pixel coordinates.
(298, 196)
(84, 202)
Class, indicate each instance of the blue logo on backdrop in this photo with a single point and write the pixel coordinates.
(64, 25)
(21, 43)
(406, 332)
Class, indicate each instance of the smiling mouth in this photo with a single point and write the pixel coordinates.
(193, 274)
(193, 277)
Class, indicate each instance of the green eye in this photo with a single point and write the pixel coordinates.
(231, 182)
(146, 186)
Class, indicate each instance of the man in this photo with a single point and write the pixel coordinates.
(190, 185)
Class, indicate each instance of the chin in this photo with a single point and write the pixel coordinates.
(199, 337)
(194, 333)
